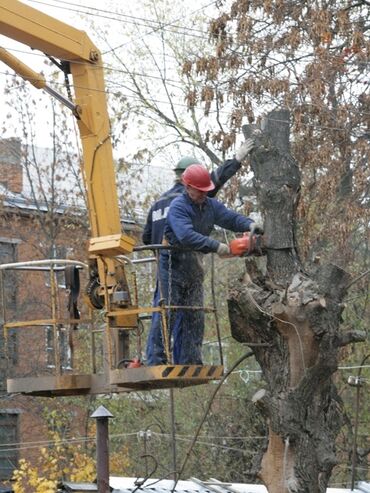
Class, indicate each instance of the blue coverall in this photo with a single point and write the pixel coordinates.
(153, 234)
(156, 219)
(189, 225)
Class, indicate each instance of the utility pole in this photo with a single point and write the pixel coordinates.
(355, 382)
(102, 448)
(145, 435)
(173, 433)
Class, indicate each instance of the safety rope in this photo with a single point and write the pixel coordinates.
(164, 324)
(217, 321)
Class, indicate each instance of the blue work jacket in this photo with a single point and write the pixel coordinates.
(189, 225)
(156, 219)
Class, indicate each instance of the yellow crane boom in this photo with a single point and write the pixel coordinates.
(42, 32)
(108, 287)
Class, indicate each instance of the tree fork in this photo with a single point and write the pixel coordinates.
(298, 313)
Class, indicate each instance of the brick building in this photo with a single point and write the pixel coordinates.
(33, 229)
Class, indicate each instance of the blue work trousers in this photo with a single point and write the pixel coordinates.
(179, 283)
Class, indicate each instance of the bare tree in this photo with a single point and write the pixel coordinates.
(298, 314)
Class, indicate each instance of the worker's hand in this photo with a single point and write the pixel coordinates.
(256, 228)
(244, 149)
(223, 250)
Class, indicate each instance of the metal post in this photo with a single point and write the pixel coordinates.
(146, 454)
(173, 433)
(354, 447)
(356, 382)
(145, 435)
(102, 448)
(56, 332)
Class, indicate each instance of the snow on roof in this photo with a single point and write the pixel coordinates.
(363, 486)
(79, 487)
(128, 485)
(20, 202)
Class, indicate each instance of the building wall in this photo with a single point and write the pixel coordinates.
(27, 297)
(10, 164)
(28, 232)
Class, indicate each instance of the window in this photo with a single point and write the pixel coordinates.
(8, 435)
(8, 302)
(9, 254)
(58, 252)
(7, 359)
(64, 348)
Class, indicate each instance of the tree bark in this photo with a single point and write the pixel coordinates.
(298, 313)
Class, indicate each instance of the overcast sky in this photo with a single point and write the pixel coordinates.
(92, 15)
(80, 14)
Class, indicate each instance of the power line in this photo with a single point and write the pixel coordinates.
(216, 445)
(113, 13)
(161, 26)
(103, 66)
(135, 17)
(137, 98)
(124, 15)
(170, 82)
(67, 441)
(162, 54)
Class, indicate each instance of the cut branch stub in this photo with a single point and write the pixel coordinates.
(277, 183)
(299, 315)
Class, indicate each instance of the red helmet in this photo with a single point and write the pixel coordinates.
(198, 177)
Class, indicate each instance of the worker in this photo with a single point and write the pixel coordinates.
(190, 220)
(154, 226)
(154, 231)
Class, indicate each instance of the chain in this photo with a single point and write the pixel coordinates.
(163, 311)
(169, 295)
(169, 277)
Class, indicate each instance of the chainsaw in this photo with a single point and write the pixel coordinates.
(249, 244)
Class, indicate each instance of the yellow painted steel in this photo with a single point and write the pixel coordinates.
(112, 245)
(33, 28)
(46, 321)
(165, 376)
(36, 79)
(125, 380)
(51, 385)
(42, 32)
(136, 311)
(165, 372)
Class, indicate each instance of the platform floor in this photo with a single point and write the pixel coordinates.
(121, 380)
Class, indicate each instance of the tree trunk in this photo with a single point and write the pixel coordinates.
(298, 315)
